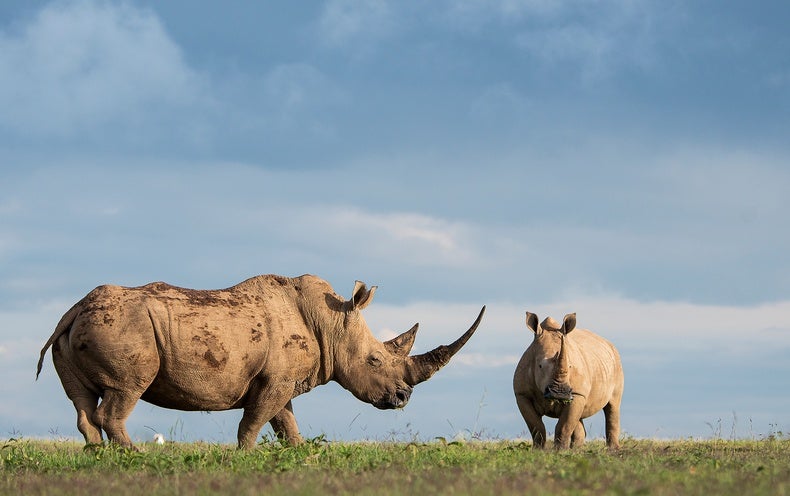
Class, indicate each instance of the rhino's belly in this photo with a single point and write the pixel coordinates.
(195, 395)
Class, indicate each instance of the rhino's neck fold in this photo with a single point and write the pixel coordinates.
(326, 369)
(322, 330)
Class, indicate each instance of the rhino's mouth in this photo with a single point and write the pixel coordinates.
(559, 392)
(391, 401)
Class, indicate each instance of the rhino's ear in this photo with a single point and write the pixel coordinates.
(569, 323)
(402, 344)
(362, 296)
(532, 322)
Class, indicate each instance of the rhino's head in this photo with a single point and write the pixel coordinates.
(552, 367)
(383, 374)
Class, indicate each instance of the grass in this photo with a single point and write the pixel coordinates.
(480, 467)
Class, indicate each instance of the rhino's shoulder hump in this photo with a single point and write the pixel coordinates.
(104, 291)
(158, 286)
(266, 280)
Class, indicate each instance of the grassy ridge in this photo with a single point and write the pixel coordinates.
(318, 467)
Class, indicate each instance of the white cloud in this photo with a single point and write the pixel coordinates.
(416, 238)
(81, 64)
(486, 360)
(404, 227)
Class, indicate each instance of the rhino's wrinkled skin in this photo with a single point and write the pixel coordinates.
(253, 346)
(568, 374)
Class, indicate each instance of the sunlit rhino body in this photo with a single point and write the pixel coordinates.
(253, 346)
(568, 376)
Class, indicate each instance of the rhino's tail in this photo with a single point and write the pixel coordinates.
(63, 326)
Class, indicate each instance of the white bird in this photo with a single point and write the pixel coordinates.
(159, 439)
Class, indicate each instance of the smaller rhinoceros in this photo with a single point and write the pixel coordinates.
(568, 376)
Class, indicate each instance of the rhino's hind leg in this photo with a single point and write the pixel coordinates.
(612, 414)
(84, 399)
(86, 406)
(285, 427)
(111, 415)
(85, 403)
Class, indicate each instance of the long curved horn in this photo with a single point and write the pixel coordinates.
(422, 367)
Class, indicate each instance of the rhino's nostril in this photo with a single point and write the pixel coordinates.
(402, 395)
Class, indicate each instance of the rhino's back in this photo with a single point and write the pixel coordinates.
(204, 346)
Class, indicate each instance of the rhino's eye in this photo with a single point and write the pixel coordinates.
(374, 361)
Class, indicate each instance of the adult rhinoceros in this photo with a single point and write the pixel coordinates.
(568, 376)
(253, 346)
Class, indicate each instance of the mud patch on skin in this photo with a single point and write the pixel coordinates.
(202, 298)
(81, 341)
(212, 360)
(296, 341)
(211, 350)
(197, 297)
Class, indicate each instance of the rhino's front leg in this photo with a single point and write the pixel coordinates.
(285, 427)
(569, 423)
(535, 424)
(263, 403)
(579, 435)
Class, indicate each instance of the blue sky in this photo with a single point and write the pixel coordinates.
(626, 160)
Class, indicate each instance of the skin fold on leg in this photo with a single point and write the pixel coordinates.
(285, 427)
(111, 415)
